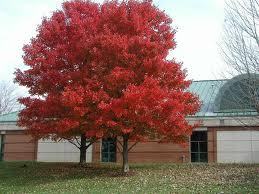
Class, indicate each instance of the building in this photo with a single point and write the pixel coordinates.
(15, 144)
(229, 132)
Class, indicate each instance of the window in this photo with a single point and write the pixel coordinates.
(1, 147)
(109, 150)
(199, 146)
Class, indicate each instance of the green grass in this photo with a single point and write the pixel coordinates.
(106, 178)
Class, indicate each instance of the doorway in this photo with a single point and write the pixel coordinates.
(199, 146)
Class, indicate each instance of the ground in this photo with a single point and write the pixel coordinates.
(33, 177)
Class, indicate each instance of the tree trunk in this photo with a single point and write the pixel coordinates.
(125, 167)
(83, 149)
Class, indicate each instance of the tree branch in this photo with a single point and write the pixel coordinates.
(72, 142)
(133, 145)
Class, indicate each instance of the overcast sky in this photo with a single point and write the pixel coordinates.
(199, 24)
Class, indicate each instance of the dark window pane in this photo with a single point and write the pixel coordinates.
(194, 146)
(109, 150)
(199, 146)
(194, 157)
(104, 147)
(203, 157)
(112, 157)
(112, 147)
(199, 136)
(194, 136)
(203, 136)
(105, 157)
(203, 146)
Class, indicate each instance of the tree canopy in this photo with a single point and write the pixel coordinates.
(101, 70)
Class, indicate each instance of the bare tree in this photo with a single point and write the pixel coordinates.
(240, 50)
(8, 97)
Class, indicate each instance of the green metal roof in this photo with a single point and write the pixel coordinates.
(207, 91)
(10, 117)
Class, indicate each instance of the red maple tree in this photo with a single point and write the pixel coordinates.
(100, 70)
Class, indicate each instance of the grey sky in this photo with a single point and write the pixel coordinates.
(199, 24)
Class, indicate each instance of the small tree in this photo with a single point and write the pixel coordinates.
(8, 98)
(100, 70)
(240, 49)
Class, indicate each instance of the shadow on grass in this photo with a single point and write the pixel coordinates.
(30, 173)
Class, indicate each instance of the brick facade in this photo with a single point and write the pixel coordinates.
(19, 147)
(149, 152)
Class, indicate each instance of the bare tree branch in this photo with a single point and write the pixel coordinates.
(133, 145)
(72, 142)
(8, 98)
(76, 141)
(240, 46)
(119, 143)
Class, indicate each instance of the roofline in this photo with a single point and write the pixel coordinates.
(207, 80)
(8, 122)
(221, 116)
(9, 113)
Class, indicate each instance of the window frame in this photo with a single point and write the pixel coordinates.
(199, 152)
(109, 152)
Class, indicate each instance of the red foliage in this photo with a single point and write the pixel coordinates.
(101, 70)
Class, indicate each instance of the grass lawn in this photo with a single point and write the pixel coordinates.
(106, 178)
